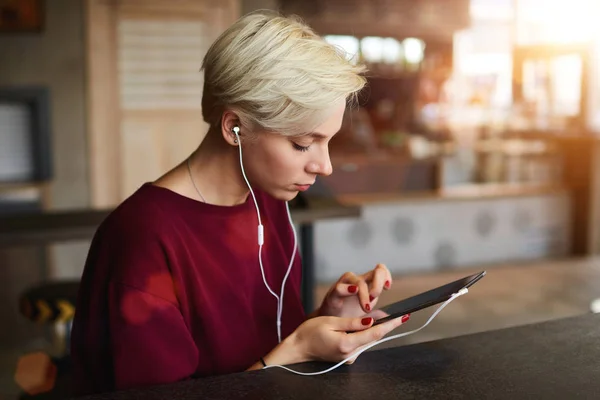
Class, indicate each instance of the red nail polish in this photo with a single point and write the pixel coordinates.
(405, 318)
(352, 289)
(371, 298)
(368, 307)
(366, 321)
(386, 284)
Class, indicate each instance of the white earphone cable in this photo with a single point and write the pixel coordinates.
(287, 207)
(261, 240)
(360, 351)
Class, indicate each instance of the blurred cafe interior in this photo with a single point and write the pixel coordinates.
(475, 146)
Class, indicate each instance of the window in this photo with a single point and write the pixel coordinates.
(349, 44)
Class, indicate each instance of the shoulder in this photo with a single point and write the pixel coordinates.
(137, 229)
(141, 214)
(129, 246)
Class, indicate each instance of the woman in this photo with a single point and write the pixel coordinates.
(179, 281)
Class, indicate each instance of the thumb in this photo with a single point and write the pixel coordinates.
(354, 324)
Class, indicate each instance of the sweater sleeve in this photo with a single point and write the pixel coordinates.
(128, 329)
(149, 340)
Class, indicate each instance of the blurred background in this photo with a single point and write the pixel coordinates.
(475, 146)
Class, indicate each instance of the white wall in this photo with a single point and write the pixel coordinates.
(434, 235)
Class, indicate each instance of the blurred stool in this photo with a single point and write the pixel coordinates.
(53, 303)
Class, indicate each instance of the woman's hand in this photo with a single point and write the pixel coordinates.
(356, 295)
(334, 339)
(329, 339)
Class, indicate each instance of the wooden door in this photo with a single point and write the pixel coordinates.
(146, 87)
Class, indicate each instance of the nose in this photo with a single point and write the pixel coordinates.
(321, 166)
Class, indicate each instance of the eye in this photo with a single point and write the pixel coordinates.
(300, 148)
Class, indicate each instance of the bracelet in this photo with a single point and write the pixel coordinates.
(263, 362)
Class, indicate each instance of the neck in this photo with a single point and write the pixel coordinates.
(216, 172)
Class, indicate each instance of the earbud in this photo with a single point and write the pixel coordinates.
(236, 132)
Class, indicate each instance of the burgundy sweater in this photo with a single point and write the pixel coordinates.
(172, 289)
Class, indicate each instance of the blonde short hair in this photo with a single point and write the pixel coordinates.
(276, 74)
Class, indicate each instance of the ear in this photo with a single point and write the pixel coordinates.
(228, 122)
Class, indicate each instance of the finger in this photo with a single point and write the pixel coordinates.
(349, 277)
(364, 297)
(374, 333)
(387, 285)
(390, 325)
(363, 289)
(368, 276)
(381, 278)
(351, 324)
(345, 289)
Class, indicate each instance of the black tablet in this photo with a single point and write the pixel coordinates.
(427, 299)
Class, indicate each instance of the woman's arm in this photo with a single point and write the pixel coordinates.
(326, 339)
(285, 353)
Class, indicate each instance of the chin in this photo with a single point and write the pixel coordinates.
(284, 195)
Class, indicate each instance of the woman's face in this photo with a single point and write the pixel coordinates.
(283, 166)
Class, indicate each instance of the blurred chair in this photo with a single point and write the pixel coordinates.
(38, 374)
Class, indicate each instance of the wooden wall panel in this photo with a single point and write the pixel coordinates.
(103, 107)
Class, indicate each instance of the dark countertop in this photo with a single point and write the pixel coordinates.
(23, 229)
(551, 360)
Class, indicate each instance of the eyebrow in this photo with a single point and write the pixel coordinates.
(319, 135)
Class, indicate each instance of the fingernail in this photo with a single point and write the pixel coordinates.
(386, 284)
(366, 321)
(371, 298)
(405, 318)
(352, 289)
(368, 307)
